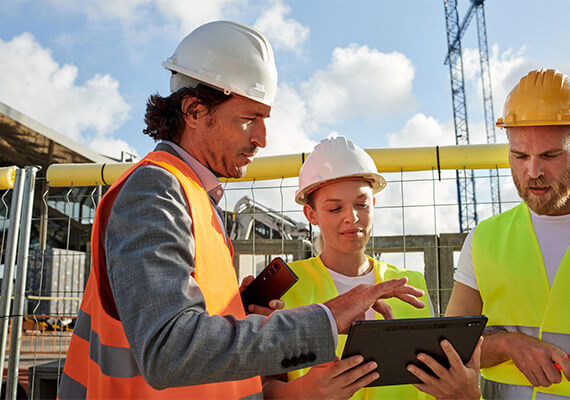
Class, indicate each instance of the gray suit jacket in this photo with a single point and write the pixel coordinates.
(150, 257)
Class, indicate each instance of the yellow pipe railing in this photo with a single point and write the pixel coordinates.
(7, 176)
(482, 156)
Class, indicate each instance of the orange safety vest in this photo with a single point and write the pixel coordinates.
(100, 364)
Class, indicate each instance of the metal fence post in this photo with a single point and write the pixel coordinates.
(9, 261)
(19, 294)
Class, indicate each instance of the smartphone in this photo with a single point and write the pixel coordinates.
(271, 283)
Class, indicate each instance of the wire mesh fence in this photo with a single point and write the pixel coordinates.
(415, 226)
(53, 277)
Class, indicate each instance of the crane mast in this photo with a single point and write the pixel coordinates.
(487, 102)
(466, 199)
(466, 196)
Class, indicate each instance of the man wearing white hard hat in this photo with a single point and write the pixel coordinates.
(337, 184)
(515, 267)
(161, 316)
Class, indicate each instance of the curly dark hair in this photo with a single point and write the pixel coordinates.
(164, 117)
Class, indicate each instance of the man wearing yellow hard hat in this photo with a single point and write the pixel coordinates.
(515, 267)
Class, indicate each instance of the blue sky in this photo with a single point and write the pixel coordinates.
(370, 70)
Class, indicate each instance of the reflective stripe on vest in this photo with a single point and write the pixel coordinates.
(315, 285)
(504, 391)
(71, 389)
(517, 296)
(112, 361)
(99, 362)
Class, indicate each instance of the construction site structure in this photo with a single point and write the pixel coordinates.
(250, 217)
(466, 195)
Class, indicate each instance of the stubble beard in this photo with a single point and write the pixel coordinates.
(240, 170)
(552, 201)
(232, 171)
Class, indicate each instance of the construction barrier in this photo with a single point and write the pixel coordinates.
(7, 177)
(483, 156)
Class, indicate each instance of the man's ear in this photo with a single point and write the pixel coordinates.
(310, 214)
(192, 109)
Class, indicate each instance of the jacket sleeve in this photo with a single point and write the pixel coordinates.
(150, 257)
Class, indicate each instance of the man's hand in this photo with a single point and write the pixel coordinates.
(351, 305)
(458, 382)
(333, 380)
(275, 304)
(533, 357)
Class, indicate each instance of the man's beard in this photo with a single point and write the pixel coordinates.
(552, 201)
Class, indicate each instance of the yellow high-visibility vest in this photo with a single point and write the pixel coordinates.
(315, 285)
(517, 297)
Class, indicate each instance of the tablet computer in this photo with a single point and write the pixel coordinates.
(395, 343)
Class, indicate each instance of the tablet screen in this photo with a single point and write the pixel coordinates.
(395, 343)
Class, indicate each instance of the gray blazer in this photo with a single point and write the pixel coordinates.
(150, 257)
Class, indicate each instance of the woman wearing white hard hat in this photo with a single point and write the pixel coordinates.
(337, 184)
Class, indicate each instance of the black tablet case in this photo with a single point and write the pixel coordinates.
(395, 343)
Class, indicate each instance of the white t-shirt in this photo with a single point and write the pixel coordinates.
(344, 283)
(553, 234)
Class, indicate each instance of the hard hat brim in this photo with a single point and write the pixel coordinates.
(501, 124)
(376, 180)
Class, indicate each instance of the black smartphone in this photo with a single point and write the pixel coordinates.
(271, 283)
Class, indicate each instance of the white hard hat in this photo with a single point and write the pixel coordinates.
(335, 158)
(229, 56)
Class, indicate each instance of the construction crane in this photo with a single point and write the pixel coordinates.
(466, 196)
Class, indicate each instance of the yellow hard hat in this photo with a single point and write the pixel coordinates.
(541, 98)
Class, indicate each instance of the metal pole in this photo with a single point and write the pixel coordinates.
(9, 262)
(19, 294)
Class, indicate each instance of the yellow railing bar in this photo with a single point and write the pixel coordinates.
(7, 176)
(481, 156)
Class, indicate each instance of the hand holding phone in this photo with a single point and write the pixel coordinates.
(271, 283)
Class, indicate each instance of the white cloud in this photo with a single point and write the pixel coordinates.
(189, 15)
(422, 130)
(419, 193)
(124, 10)
(140, 19)
(32, 82)
(284, 33)
(112, 147)
(286, 129)
(360, 80)
(179, 17)
(507, 68)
